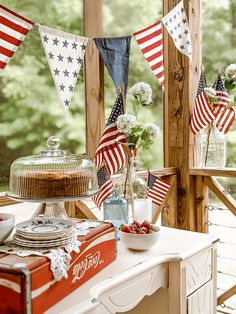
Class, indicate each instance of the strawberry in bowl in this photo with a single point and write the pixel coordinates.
(139, 236)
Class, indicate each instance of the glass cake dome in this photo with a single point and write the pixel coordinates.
(53, 174)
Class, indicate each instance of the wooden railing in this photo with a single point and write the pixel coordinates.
(205, 179)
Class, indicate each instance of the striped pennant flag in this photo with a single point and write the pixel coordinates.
(106, 186)
(150, 41)
(224, 117)
(202, 112)
(157, 189)
(110, 149)
(221, 93)
(13, 30)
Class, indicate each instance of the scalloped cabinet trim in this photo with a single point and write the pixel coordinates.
(198, 271)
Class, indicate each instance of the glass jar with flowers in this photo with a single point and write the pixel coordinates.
(138, 136)
(212, 142)
(213, 145)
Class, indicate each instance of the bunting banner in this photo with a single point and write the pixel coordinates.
(202, 112)
(13, 30)
(150, 41)
(65, 54)
(176, 23)
(115, 54)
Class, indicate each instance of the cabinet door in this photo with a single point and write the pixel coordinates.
(201, 301)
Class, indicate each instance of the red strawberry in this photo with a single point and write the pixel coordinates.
(146, 224)
(126, 229)
(142, 232)
(137, 223)
(144, 229)
(133, 232)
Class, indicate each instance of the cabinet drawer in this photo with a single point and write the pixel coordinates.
(201, 301)
(198, 271)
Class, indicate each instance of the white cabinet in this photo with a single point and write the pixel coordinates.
(200, 302)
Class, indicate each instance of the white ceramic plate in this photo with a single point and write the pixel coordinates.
(47, 236)
(44, 226)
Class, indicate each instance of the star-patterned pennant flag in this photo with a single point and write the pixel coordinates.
(13, 30)
(177, 26)
(65, 54)
(115, 54)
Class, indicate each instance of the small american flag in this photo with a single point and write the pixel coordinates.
(157, 189)
(150, 41)
(13, 30)
(105, 185)
(202, 112)
(110, 149)
(224, 116)
(221, 93)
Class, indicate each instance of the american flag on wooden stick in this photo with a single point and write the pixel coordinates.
(110, 149)
(157, 189)
(202, 112)
(224, 116)
(13, 30)
(106, 186)
(150, 41)
(221, 93)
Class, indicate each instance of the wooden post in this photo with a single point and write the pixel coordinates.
(181, 80)
(94, 76)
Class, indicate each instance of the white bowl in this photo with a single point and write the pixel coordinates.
(6, 226)
(140, 242)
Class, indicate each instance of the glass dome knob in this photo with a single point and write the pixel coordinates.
(53, 142)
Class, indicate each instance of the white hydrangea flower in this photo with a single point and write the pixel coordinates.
(125, 123)
(210, 92)
(153, 130)
(230, 72)
(143, 92)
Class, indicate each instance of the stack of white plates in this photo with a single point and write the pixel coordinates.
(44, 232)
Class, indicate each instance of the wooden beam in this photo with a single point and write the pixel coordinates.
(169, 213)
(158, 172)
(201, 203)
(219, 191)
(82, 211)
(94, 76)
(226, 295)
(222, 172)
(181, 82)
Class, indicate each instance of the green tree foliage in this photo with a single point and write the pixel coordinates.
(29, 105)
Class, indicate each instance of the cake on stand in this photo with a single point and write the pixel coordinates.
(52, 178)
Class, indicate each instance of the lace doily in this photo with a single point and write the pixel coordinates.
(59, 257)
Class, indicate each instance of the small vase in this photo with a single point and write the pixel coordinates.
(212, 148)
(121, 182)
(116, 209)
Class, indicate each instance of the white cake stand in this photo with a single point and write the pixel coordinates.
(53, 207)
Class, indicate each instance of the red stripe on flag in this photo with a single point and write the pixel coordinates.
(15, 14)
(6, 52)
(152, 46)
(2, 65)
(10, 39)
(158, 24)
(13, 25)
(150, 36)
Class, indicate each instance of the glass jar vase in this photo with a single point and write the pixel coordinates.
(211, 148)
(116, 209)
